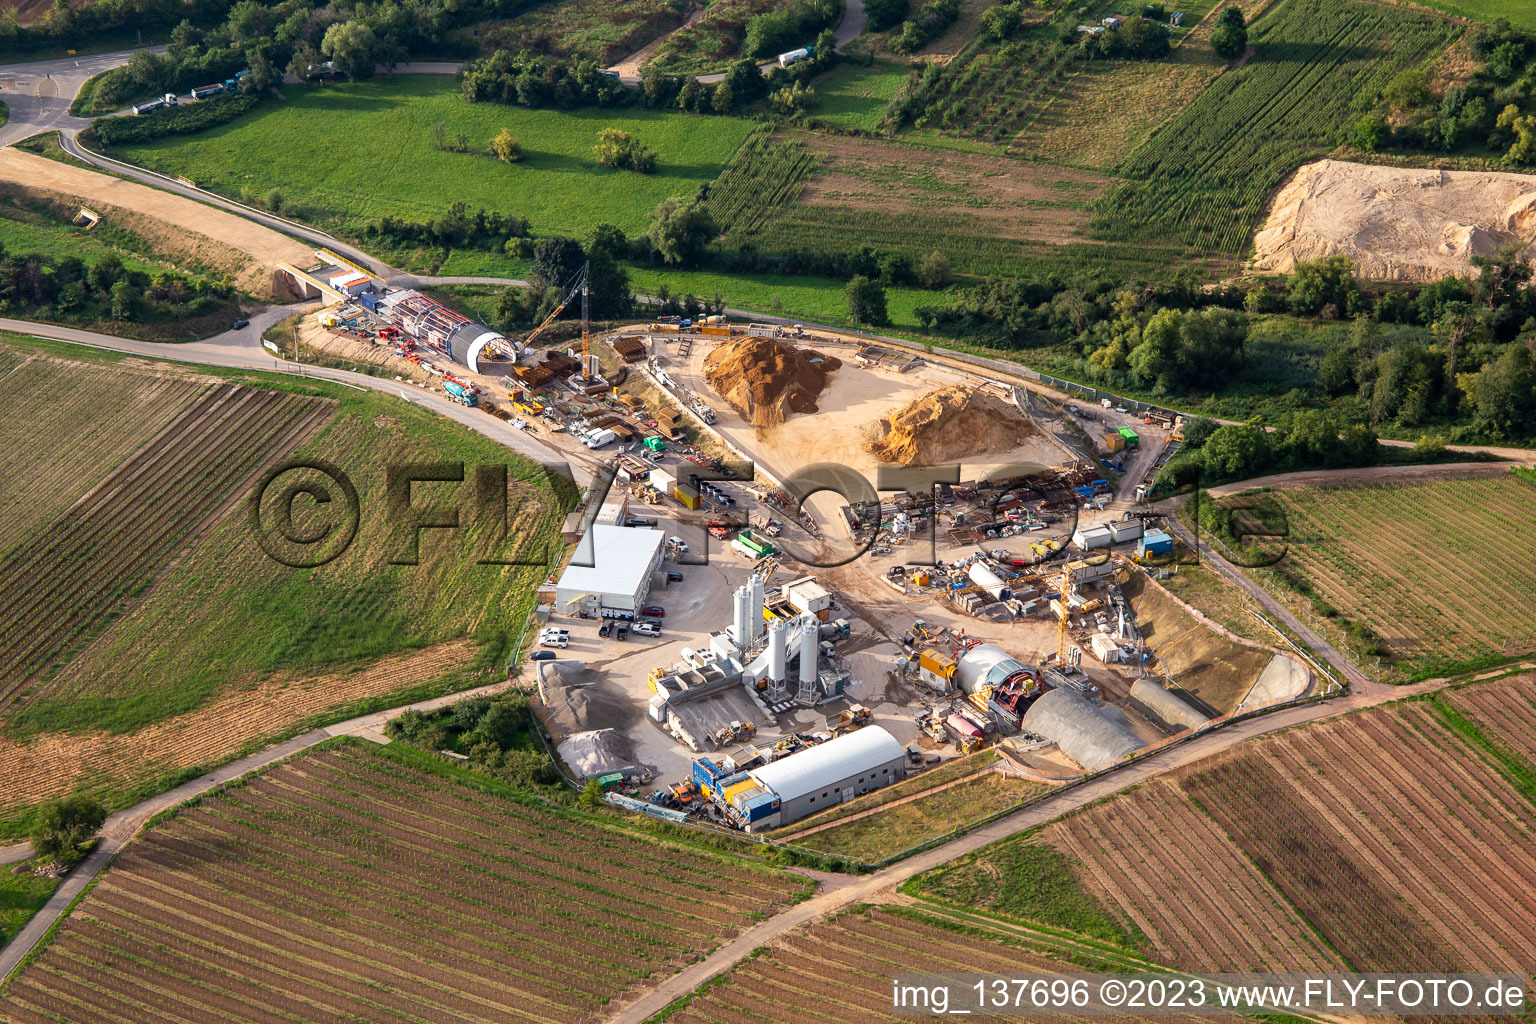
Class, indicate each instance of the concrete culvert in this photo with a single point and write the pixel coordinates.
(1082, 731)
(1167, 709)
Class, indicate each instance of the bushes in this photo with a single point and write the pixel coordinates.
(619, 149)
(774, 32)
(885, 13)
(927, 25)
(180, 120)
(456, 229)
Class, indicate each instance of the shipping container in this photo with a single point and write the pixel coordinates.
(1114, 442)
(1129, 529)
(686, 496)
(1132, 439)
(715, 330)
(761, 548)
(1089, 537)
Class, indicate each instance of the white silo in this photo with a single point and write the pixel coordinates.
(778, 652)
(756, 624)
(740, 625)
(808, 639)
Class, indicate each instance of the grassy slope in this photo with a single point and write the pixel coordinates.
(223, 617)
(227, 613)
(348, 153)
(851, 96)
(21, 896)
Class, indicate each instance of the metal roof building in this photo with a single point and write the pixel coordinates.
(837, 770)
(623, 560)
(986, 665)
(1083, 732)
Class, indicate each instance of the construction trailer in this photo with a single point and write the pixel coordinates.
(1155, 542)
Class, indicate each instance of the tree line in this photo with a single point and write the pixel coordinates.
(66, 288)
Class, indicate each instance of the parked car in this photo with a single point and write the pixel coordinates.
(639, 521)
(674, 577)
(622, 632)
(605, 629)
(647, 629)
(554, 631)
(553, 641)
(239, 325)
(654, 610)
(542, 656)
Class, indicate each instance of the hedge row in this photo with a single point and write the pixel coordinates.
(179, 120)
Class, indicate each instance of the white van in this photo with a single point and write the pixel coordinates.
(598, 438)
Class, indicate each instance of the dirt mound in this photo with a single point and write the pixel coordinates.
(947, 425)
(1396, 224)
(764, 377)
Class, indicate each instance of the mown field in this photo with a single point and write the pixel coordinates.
(374, 142)
(1381, 841)
(1203, 178)
(355, 883)
(173, 641)
(1439, 572)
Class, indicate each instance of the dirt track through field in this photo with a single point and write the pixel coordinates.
(262, 245)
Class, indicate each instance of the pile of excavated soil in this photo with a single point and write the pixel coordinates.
(765, 379)
(1395, 223)
(953, 423)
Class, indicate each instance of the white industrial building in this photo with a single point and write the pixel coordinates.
(624, 564)
(832, 772)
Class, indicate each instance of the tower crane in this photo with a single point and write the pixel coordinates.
(579, 285)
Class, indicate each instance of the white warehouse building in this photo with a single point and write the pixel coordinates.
(832, 772)
(624, 564)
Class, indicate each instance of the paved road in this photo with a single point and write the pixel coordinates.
(39, 92)
(873, 887)
(242, 350)
(121, 827)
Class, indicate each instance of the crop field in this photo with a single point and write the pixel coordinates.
(1426, 566)
(1392, 836)
(600, 30)
(45, 475)
(1204, 177)
(1505, 712)
(392, 166)
(988, 214)
(351, 885)
(66, 577)
(1164, 866)
(838, 971)
(181, 645)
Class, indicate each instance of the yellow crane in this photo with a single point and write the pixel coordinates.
(1062, 637)
(578, 285)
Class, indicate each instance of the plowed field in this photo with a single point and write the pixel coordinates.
(839, 972)
(1391, 835)
(345, 885)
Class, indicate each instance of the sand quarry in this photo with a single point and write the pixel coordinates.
(864, 416)
(1395, 223)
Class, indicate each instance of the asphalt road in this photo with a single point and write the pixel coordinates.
(242, 350)
(39, 93)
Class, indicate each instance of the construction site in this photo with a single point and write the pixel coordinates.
(704, 665)
(709, 661)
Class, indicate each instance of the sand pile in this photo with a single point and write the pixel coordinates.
(578, 699)
(1396, 224)
(765, 379)
(949, 425)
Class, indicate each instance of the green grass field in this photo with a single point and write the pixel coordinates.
(850, 96)
(342, 155)
(1520, 12)
(21, 896)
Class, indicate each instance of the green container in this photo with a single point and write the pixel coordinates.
(610, 781)
(655, 444)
